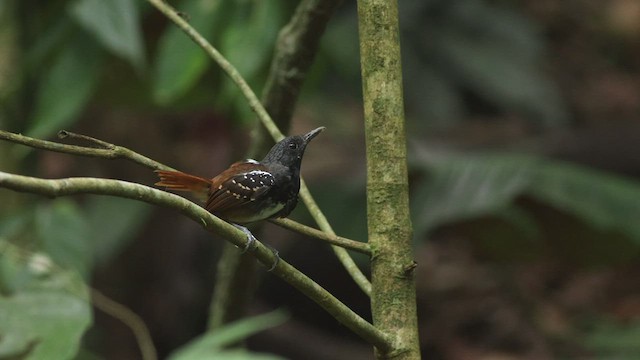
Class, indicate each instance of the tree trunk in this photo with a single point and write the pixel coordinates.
(393, 300)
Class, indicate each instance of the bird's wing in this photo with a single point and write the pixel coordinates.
(242, 183)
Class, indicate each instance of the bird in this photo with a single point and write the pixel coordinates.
(249, 190)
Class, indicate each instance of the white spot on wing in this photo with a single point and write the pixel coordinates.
(259, 173)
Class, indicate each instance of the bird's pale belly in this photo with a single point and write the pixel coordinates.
(249, 216)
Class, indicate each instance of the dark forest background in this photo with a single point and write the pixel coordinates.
(523, 119)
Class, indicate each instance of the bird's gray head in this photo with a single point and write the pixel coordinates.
(289, 151)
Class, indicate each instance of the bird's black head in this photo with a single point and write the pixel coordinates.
(289, 150)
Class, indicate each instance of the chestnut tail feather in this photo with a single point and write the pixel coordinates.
(179, 181)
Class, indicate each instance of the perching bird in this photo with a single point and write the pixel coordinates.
(250, 190)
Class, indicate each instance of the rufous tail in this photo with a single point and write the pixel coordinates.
(179, 181)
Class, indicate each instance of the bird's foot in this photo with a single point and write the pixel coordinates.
(276, 255)
(252, 243)
(251, 240)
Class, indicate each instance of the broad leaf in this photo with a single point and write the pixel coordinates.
(113, 222)
(180, 62)
(65, 235)
(248, 43)
(47, 315)
(460, 187)
(116, 24)
(211, 345)
(67, 86)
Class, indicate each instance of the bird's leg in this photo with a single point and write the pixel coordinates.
(251, 244)
(251, 240)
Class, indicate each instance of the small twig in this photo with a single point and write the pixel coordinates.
(63, 134)
(289, 224)
(130, 319)
(57, 147)
(342, 254)
(110, 151)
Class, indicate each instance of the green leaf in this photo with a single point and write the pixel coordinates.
(603, 200)
(459, 188)
(180, 62)
(464, 187)
(47, 316)
(66, 86)
(611, 340)
(249, 39)
(113, 222)
(116, 24)
(497, 74)
(211, 345)
(64, 234)
(248, 43)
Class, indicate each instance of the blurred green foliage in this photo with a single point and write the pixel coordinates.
(212, 344)
(458, 187)
(456, 49)
(44, 310)
(609, 339)
(458, 56)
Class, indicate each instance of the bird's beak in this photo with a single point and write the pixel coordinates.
(311, 134)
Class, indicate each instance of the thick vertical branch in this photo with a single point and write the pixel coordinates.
(393, 300)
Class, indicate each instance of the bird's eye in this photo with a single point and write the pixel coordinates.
(293, 146)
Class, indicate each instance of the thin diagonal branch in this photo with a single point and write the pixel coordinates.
(289, 224)
(272, 128)
(73, 186)
(108, 152)
(130, 319)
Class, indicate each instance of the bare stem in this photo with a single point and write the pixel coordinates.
(289, 224)
(130, 319)
(110, 151)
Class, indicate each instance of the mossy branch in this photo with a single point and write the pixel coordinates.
(124, 189)
(393, 300)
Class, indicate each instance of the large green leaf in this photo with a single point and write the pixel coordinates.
(211, 345)
(47, 315)
(67, 86)
(248, 43)
(497, 53)
(113, 222)
(180, 62)
(603, 200)
(609, 340)
(479, 48)
(251, 35)
(64, 234)
(116, 24)
(462, 187)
